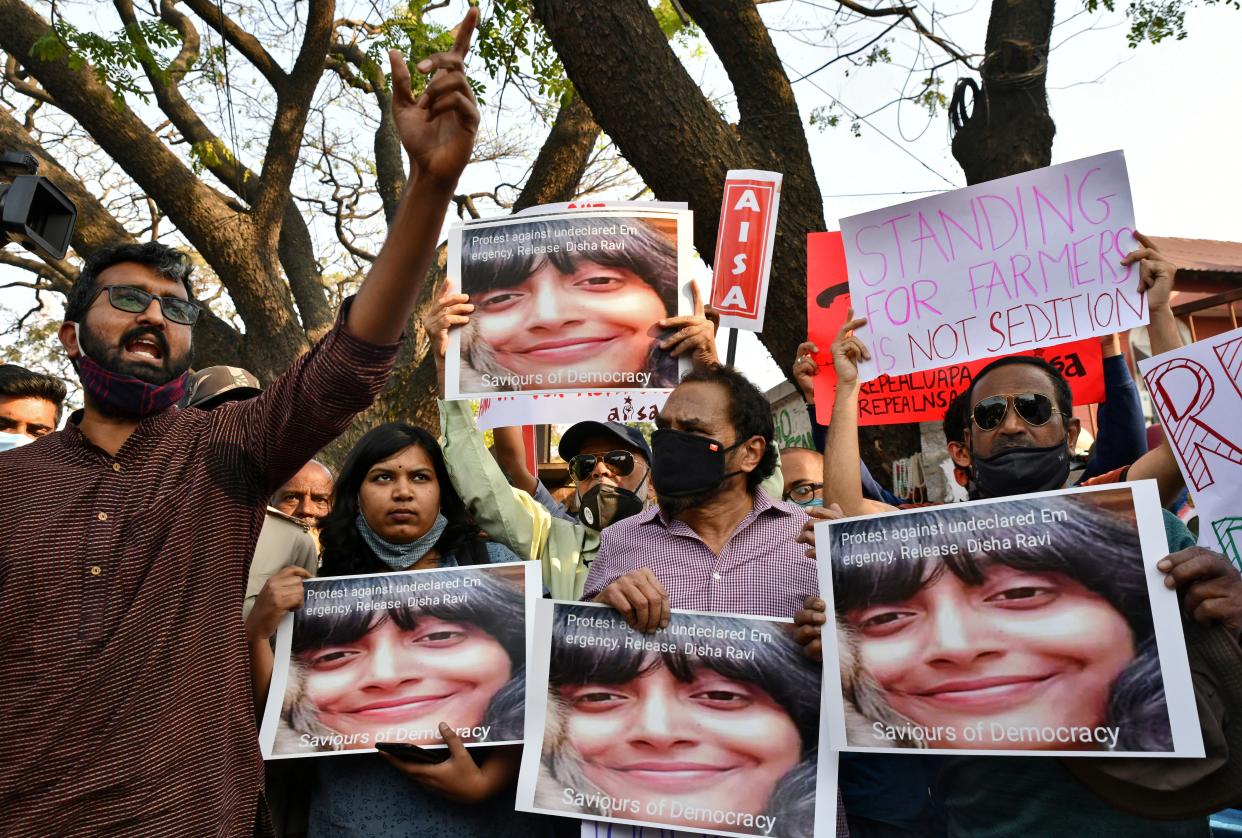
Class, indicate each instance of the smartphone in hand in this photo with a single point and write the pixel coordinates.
(413, 753)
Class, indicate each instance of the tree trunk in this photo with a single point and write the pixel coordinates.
(1010, 130)
(563, 159)
(677, 141)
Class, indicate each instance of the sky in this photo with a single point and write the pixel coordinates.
(1167, 106)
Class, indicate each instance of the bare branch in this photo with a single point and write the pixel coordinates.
(245, 43)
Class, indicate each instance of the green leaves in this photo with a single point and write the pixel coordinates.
(115, 59)
(513, 44)
(1155, 20)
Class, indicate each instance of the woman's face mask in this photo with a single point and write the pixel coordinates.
(8, 440)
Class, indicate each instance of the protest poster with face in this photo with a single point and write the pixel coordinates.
(387, 657)
(1026, 261)
(568, 302)
(921, 396)
(1197, 391)
(709, 725)
(1036, 624)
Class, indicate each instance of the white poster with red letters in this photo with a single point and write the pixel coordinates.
(1197, 392)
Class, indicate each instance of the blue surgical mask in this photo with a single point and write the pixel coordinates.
(812, 502)
(8, 440)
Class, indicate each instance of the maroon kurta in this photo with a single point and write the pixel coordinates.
(125, 699)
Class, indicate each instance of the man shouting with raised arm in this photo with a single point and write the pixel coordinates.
(125, 699)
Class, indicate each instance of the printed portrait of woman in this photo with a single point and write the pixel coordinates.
(1029, 637)
(559, 309)
(689, 740)
(381, 671)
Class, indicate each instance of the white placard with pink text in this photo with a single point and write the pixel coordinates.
(1000, 267)
(1197, 392)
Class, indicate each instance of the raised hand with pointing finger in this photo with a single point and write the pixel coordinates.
(848, 349)
(439, 127)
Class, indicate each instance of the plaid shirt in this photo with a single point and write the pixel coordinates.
(125, 699)
(762, 569)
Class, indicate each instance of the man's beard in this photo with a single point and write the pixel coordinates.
(672, 507)
(112, 358)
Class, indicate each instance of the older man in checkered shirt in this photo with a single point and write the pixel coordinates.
(717, 541)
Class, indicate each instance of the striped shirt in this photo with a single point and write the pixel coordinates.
(125, 698)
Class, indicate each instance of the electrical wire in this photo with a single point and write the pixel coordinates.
(853, 114)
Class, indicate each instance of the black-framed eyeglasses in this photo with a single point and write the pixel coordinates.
(1035, 409)
(804, 492)
(619, 463)
(135, 300)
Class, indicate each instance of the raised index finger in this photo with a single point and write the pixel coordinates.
(465, 32)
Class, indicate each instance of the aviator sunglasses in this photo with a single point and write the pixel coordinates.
(1035, 409)
(135, 301)
(620, 462)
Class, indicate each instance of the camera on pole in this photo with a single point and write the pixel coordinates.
(34, 212)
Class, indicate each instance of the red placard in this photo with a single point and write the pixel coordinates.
(530, 439)
(744, 248)
(921, 396)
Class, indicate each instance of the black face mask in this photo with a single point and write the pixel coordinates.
(604, 504)
(684, 465)
(1017, 471)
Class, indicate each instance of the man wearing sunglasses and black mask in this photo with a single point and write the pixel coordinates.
(611, 467)
(1021, 432)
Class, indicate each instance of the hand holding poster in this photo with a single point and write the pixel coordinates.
(921, 396)
(1197, 390)
(1016, 263)
(569, 301)
(1037, 624)
(460, 633)
(710, 725)
(744, 243)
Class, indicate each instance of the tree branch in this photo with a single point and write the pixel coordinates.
(293, 100)
(294, 245)
(562, 159)
(909, 13)
(389, 160)
(242, 41)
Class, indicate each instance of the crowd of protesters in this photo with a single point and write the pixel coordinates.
(150, 548)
